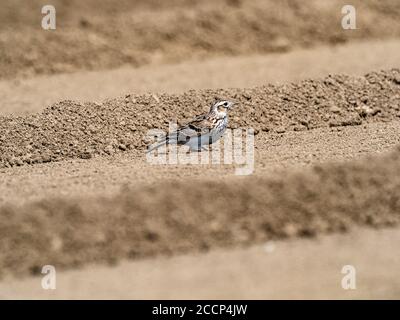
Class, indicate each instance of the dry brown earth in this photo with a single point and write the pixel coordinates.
(142, 33)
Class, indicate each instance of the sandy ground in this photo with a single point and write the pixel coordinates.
(30, 95)
(71, 129)
(131, 34)
(106, 175)
(294, 269)
(77, 192)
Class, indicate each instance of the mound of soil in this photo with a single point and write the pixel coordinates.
(139, 33)
(182, 216)
(81, 130)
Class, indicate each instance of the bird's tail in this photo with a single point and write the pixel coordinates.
(156, 145)
(169, 139)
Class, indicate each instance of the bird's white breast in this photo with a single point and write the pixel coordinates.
(204, 139)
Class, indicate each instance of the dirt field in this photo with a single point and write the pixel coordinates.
(275, 270)
(142, 32)
(77, 192)
(21, 96)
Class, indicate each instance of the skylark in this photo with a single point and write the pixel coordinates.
(203, 130)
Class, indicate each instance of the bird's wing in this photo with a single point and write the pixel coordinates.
(199, 126)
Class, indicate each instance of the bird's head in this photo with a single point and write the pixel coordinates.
(222, 106)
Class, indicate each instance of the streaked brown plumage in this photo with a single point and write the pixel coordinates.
(203, 130)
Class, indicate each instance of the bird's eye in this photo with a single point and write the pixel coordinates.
(225, 103)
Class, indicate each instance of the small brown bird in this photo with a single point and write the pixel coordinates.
(203, 130)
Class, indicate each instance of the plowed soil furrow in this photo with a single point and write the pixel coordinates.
(75, 211)
(276, 270)
(24, 96)
(71, 129)
(186, 215)
(274, 152)
(126, 34)
(79, 106)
